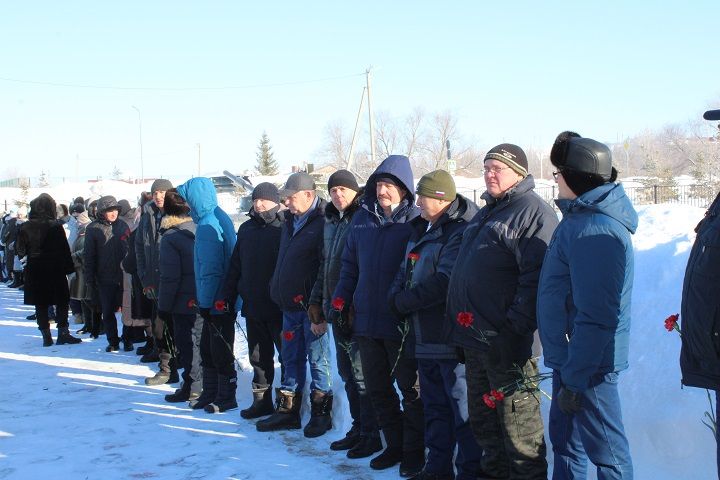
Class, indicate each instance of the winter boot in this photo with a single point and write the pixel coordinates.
(287, 413)
(182, 394)
(151, 356)
(262, 404)
(127, 343)
(352, 437)
(32, 317)
(209, 391)
(390, 457)
(320, 410)
(163, 374)
(225, 399)
(64, 337)
(17, 279)
(47, 337)
(367, 445)
(147, 348)
(412, 463)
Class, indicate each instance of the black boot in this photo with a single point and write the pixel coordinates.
(261, 406)
(412, 463)
(64, 337)
(182, 394)
(151, 356)
(352, 437)
(320, 419)
(225, 399)
(174, 376)
(287, 413)
(127, 343)
(17, 279)
(390, 457)
(366, 446)
(147, 348)
(163, 375)
(210, 388)
(47, 337)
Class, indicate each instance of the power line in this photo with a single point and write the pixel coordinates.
(179, 89)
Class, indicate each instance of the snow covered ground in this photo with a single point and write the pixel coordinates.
(79, 412)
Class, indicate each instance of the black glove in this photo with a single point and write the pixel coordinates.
(569, 402)
(506, 350)
(204, 313)
(343, 320)
(164, 316)
(393, 307)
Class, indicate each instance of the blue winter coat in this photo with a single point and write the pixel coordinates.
(585, 287)
(700, 312)
(177, 276)
(298, 260)
(214, 239)
(420, 288)
(375, 247)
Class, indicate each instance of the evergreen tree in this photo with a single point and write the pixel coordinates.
(116, 173)
(266, 163)
(24, 194)
(43, 180)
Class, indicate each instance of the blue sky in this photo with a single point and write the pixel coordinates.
(510, 71)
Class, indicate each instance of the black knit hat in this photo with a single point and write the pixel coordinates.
(77, 208)
(343, 178)
(124, 207)
(511, 155)
(161, 185)
(438, 184)
(175, 205)
(266, 191)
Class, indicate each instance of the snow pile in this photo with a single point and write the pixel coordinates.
(79, 412)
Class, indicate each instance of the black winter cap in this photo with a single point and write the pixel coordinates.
(297, 182)
(343, 178)
(511, 155)
(161, 185)
(266, 191)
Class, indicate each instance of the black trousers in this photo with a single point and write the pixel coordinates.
(217, 343)
(110, 301)
(401, 428)
(263, 337)
(43, 317)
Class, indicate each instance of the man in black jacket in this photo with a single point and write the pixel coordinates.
(418, 298)
(248, 277)
(105, 247)
(363, 439)
(699, 312)
(293, 279)
(491, 310)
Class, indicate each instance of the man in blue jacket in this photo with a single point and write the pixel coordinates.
(418, 297)
(584, 310)
(375, 247)
(214, 242)
(301, 242)
(699, 356)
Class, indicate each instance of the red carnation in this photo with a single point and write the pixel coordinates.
(489, 401)
(192, 303)
(413, 257)
(465, 319)
(338, 303)
(220, 305)
(298, 298)
(498, 395)
(671, 323)
(289, 335)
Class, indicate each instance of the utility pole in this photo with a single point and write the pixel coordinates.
(198, 147)
(370, 117)
(354, 137)
(142, 167)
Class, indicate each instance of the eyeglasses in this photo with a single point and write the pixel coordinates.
(494, 170)
(556, 174)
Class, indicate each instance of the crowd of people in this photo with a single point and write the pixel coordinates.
(438, 308)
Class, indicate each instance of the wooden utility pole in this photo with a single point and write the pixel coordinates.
(354, 137)
(370, 117)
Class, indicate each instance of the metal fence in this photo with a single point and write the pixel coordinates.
(695, 195)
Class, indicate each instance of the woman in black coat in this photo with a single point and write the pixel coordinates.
(42, 241)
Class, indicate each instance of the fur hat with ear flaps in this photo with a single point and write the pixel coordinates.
(583, 162)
